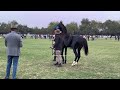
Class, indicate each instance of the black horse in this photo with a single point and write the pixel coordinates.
(73, 41)
(76, 43)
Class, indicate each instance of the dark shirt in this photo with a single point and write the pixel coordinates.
(58, 42)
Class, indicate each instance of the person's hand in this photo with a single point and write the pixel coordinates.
(51, 47)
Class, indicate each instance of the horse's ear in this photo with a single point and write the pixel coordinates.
(61, 21)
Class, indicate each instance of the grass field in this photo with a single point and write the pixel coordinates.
(103, 61)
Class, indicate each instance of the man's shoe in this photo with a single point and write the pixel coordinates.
(56, 63)
(6, 78)
(15, 78)
(60, 65)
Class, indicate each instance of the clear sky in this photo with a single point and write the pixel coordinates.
(43, 18)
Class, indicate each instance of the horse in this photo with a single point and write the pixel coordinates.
(74, 42)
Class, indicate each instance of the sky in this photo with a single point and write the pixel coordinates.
(43, 18)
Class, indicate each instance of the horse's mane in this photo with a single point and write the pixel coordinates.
(63, 28)
(68, 39)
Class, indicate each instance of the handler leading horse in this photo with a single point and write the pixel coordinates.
(74, 42)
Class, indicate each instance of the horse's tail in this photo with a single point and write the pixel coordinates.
(85, 45)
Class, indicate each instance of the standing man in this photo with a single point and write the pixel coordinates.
(56, 30)
(13, 42)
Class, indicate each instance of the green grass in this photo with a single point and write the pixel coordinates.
(103, 61)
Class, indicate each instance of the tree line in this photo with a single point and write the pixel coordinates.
(87, 27)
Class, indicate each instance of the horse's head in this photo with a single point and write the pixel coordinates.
(61, 27)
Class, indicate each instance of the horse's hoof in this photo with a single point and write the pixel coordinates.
(74, 63)
(65, 62)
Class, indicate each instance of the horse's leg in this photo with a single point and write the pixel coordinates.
(54, 58)
(76, 56)
(79, 55)
(65, 54)
(62, 55)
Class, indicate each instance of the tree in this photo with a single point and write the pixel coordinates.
(85, 27)
(43, 30)
(72, 28)
(4, 28)
(111, 27)
(51, 27)
(94, 27)
(14, 22)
